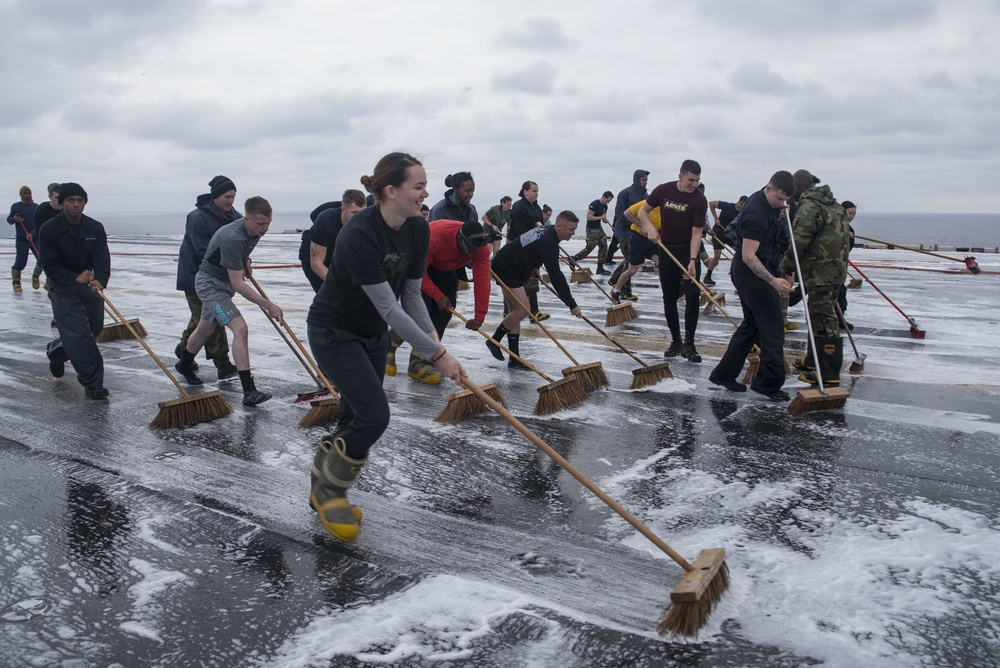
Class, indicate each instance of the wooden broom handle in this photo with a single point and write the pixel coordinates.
(532, 315)
(287, 341)
(504, 348)
(114, 318)
(909, 248)
(694, 280)
(144, 344)
(305, 353)
(574, 264)
(572, 470)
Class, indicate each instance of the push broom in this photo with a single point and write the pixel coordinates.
(592, 376)
(915, 331)
(322, 410)
(969, 261)
(706, 579)
(189, 409)
(821, 399)
(858, 365)
(649, 374)
(618, 314)
(464, 403)
(552, 398)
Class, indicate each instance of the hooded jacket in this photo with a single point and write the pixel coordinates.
(201, 224)
(821, 238)
(626, 198)
(450, 208)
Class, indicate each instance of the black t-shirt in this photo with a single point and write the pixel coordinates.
(727, 213)
(536, 247)
(325, 230)
(598, 208)
(759, 221)
(368, 252)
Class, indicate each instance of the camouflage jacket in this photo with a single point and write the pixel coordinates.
(822, 239)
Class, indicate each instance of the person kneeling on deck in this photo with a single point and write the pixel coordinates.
(757, 233)
(452, 245)
(514, 264)
(221, 275)
(822, 237)
(77, 263)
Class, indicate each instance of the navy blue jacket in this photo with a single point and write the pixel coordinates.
(69, 250)
(201, 224)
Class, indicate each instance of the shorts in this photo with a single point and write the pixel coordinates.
(640, 248)
(510, 280)
(216, 302)
(717, 235)
(495, 236)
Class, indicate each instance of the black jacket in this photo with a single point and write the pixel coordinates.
(523, 216)
(69, 250)
(201, 224)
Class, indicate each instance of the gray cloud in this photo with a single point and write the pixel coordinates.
(845, 16)
(755, 76)
(543, 34)
(537, 78)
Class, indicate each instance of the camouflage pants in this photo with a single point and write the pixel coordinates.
(595, 238)
(821, 310)
(217, 346)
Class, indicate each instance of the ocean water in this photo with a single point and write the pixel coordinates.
(943, 229)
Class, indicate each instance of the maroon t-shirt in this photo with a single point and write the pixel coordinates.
(679, 211)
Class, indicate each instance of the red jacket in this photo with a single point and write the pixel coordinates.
(443, 254)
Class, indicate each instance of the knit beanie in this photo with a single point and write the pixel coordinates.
(220, 185)
(71, 190)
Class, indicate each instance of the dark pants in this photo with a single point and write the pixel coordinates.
(315, 281)
(622, 266)
(612, 247)
(356, 365)
(22, 247)
(79, 314)
(762, 324)
(217, 345)
(447, 283)
(672, 283)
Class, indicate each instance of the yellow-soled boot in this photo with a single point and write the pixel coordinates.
(421, 369)
(15, 277)
(36, 275)
(395, 342)
(333, 473)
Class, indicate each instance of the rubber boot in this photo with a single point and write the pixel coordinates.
(36, 275)
(422, 370)
(831, 358)
(395, 341)
(333, 473)
(806, 363)
(15, 277)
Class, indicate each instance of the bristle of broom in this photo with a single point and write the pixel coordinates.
(648, 267)
(580, 276)
(322, 411)
(190, 410)
(465, 403)
(592, 376)
(650, 375)
(696, 595)
(854, 284)
(117, 331)
(463, 285)
(753, 368)
(558, 395)
(788, 369)
(619, 314)
(806, 401)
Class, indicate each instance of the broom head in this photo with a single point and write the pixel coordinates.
(322, 411)
(558, 395)
(592, 376)
(580, 276)
(854, 284)
(465, 403)
(463, 285)
(118, 331)
(694, 597)
(858, 365)
(650, 375)
(806, 401)
(189, 410)
(753, 368)
(619, 314)
(648, 267)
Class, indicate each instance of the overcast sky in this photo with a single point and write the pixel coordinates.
(894, 103)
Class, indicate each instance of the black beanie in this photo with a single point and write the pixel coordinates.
(220, 185)
(71, 190)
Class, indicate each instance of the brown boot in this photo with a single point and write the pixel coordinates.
(333, 473)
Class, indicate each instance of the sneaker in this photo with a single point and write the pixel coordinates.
(227, 371)
(494, 350)
(97, 393)
(674, 350)
(425, 373)
(708, 281)
(730, 384)
(514, 363)
(57, 369)
(254, 397)
(179, 352)
(542, 316)
(190, 376)
(773, 395)
(689, 353)
(616, 296)
(601, 271)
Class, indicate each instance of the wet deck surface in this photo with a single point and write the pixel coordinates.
(866, 536)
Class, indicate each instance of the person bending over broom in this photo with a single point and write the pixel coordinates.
(377, 266)
(514, 264)
(222, 274)
(453, 244)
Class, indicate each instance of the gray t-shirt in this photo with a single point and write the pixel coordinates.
(229, 248)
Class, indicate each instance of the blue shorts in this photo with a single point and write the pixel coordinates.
(640, 248)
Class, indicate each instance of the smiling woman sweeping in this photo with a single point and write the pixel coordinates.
(374, 281)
